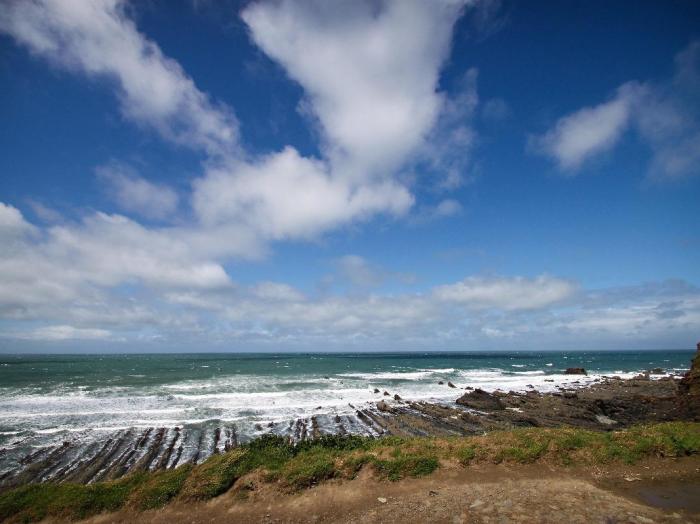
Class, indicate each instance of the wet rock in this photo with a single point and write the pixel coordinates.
(481, 400)
(450, 384)
(258, 427)
(376, 390)
(657, 371)
(549, 380)
(440, 382)
(386, 394)
(382, 406)
(397, 397)
(575, 371)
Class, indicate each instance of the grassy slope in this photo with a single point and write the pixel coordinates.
(300, 466)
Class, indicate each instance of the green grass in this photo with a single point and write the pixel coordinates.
(157, 489)
(342, 457)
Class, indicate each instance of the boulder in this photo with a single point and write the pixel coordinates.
(376, 390)
(451, 385)
(481, 400)
(397, 397)
(386, 394)
(440, 382)
(575, 371)
(657, 371)
(382, 406)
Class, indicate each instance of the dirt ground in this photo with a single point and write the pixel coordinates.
(661, 490)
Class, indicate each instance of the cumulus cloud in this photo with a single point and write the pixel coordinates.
(135, 194)
(98, 39)
(665, 116)
(369, 71)
(285, 195)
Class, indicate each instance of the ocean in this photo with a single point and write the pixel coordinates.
(49, 399)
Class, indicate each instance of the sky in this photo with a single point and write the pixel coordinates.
(349, 175)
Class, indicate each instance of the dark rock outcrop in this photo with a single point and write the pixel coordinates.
(689, 390)
(450, 384)
(575, 371)
(481, 400)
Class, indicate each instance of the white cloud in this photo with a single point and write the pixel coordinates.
(370, 74)
(369, 70)
(285, 195)
(666, 117)
(55, 333)
(587, 132)
(516, 293)
(136, 194)
(97, 38)
(12, 223)
(276, 291)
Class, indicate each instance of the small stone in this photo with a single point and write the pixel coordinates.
(382, 500)
(476, 503)
(432, 493)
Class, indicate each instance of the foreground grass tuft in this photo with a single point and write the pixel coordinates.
(329, 457)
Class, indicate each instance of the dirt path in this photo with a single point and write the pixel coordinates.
(490, 493)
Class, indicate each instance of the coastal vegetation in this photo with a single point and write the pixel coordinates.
(297, 466)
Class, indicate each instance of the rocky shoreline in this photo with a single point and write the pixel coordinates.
(609, 404)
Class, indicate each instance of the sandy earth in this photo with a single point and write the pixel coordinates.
(662, 490)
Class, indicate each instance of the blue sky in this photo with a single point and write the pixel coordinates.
(270, 175)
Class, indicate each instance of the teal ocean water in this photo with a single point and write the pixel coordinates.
(49, 398)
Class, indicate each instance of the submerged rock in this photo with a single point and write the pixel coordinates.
(481, 400)
(450, 384)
